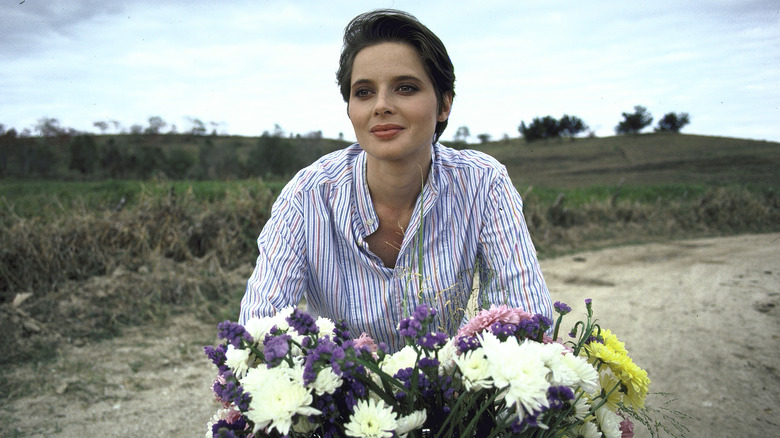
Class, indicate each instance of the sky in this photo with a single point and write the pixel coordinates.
(245, 67)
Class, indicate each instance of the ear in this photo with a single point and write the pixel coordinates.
(446, 107)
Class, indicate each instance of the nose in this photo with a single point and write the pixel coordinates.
(383, 103)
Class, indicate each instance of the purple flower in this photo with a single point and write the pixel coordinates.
(503, 331)
(302, 322)
(276, 348)
(217, 356)
(341, 332)
(224, 429)
(429, 362)
(424, 313)
(561, 308)
(432, 340)
(557, 396)
(543, 321)
(233, 333)
(528, 328)
(410, 327)
(467, 343)
(325, 353)
(231, 392)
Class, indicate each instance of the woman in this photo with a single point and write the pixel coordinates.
(396, 220)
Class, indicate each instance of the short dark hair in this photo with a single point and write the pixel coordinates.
(390, 25)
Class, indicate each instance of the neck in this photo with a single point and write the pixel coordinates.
(396, 187)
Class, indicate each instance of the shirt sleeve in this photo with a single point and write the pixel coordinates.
(279, 277)
(509, 268)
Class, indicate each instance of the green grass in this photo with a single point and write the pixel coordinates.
(49, 200)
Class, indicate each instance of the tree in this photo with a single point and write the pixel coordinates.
(150, 159)
(179, 163)
(540, 128)
(83, 153)
(103, 126)
(462, 134)
(570, 126)
(112, 160)
(672, 122)
(49, 127)
(156, 125)
(274, 155)
(198, 128)
(484, 138)
(634, 122)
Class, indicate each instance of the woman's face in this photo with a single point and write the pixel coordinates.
(393, 105)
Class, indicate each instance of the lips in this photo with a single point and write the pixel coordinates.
(386, 131)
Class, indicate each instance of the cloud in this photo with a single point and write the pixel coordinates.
(254, 64)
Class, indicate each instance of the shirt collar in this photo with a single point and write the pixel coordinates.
(365, 207)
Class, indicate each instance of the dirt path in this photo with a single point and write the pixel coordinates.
(701, 316)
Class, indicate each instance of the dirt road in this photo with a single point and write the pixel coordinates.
(701, 316)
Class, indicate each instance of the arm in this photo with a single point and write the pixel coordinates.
(509, 269)
(279, 277)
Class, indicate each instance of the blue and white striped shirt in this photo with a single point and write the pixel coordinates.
(313, 246)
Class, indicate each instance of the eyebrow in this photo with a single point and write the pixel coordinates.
(400, 78)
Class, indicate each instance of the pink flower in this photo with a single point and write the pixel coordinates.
(233, 415)
(366, 341)
(486, 317)
(627, 427)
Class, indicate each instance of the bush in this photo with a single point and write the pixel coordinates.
(634, 122)
(672, 122)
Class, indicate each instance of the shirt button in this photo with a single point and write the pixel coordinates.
(370, 222)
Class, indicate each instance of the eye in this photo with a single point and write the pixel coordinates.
(361, 92)
(407, 88)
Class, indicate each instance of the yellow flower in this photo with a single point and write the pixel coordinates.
(611, 341)
(636, 381)
(613, 354)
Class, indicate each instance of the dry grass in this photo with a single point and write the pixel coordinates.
(89, 274)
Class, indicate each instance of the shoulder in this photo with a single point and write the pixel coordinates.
(331, 170)
(468, 163)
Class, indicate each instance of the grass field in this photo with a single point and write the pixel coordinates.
(94, 257)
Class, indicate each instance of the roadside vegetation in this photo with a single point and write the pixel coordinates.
(83, 258)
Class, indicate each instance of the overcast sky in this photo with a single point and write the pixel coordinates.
(250, 65)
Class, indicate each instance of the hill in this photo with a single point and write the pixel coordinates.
(646, 159)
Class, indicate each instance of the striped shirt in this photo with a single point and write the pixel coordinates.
(313, 247)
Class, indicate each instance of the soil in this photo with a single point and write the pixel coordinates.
(700, 316)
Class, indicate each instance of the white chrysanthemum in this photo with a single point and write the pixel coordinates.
(275, 398)
(258, 328)
(294, 372)
(609, 422)
(326, 382)
(585, 430)
(371, 419)
(325, 326)
(475, 369)
(297, 339)
(403, 358)
(587, 376)
(237, 359)
(221, 414)
(447, 354)
(515, 367)
(411, 422)
(581, 409)
(280, 319)
(552, 355)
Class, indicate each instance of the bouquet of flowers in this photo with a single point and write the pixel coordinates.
(501, 375)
